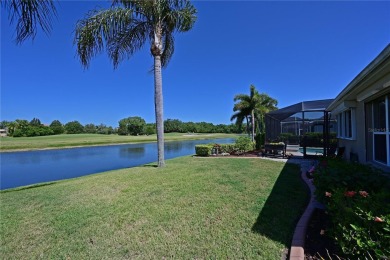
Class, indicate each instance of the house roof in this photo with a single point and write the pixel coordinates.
(355, 86)
(305, 106)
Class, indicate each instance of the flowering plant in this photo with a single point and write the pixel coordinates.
(357, 199)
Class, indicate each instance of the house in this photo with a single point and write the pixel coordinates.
(362, 110)
(3, 132)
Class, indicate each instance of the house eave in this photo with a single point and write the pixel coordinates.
(356, 85)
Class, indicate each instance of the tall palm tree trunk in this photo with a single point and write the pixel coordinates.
(158, 106)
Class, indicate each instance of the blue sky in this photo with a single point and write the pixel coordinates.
(293, 51)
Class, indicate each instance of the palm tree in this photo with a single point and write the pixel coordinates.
(125, 28)
(245, 108)
(253, 107)
(265, 104)
(29, 14)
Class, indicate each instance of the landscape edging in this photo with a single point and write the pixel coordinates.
(298, 242)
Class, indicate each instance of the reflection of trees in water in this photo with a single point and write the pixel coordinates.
(173, 146)
(132, 152)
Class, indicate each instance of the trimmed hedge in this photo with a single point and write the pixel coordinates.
(203, 149)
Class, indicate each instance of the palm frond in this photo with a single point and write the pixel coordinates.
(169, 48)
(29, 14)
(128, 41)
(98, 29)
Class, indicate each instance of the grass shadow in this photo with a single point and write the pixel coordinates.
(150, 165)
(284, 206)
(28, 187)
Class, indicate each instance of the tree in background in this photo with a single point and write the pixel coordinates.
(150, 129)
(74, 127)
(125, 28)
(57, 127)
(173, 125)
(132, 126)
(90, 129)
(35, 122)
(29, 15)
(253, 108)
(105, 130)
(245, 108)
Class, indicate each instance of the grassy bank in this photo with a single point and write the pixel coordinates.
(61, 141)
(194, 208)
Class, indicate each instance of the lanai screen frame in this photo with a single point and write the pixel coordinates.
(274, 119)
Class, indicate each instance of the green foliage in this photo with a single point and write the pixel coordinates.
(203, 149)
(131, 126)
(317, 140)
(228, 148)
(90, 129)
(4, 124)
(150, 129)
(35, 122)
(172, 125)
(57, 127)
(23, 128)
(358, 201)
(259, 140)
(74, 127)
(104, 130)
(244, 143)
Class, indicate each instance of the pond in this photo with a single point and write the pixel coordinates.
(25, 168)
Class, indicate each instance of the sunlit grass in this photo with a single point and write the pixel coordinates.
(60, 141)
(195, 208)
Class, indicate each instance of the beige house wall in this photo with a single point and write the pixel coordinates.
(373, 82)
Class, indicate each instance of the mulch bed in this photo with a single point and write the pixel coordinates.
(317, 244)
(249, 154)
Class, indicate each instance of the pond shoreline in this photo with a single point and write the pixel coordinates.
(188, 138)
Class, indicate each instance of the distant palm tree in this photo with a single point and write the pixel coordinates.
(265, 104)
(252, 107)
(125, 28)
(245, 108)
(29, 14)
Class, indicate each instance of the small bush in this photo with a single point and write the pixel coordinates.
(244, 143)
(203, 149)
(228, 148)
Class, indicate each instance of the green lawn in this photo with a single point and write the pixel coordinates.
(60, 141)
(195, 208)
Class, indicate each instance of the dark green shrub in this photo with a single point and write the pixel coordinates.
(357, 198)
(244, 143)
(203, 149)
(259, 139)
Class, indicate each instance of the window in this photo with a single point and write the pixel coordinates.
(346, 124)
(381, 131)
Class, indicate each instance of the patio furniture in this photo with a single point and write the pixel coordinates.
(274, 149)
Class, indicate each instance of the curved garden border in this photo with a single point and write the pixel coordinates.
(298, 242)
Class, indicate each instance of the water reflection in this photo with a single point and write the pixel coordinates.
(132, 152)
(24, 168)
(173, 146)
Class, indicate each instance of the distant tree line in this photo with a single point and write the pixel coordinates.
(127, 126)
(24, 128)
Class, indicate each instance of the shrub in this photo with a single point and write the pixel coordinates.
(203, 149)
(228, 148)
(244, 143)
(259, 139)
(358, 202)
